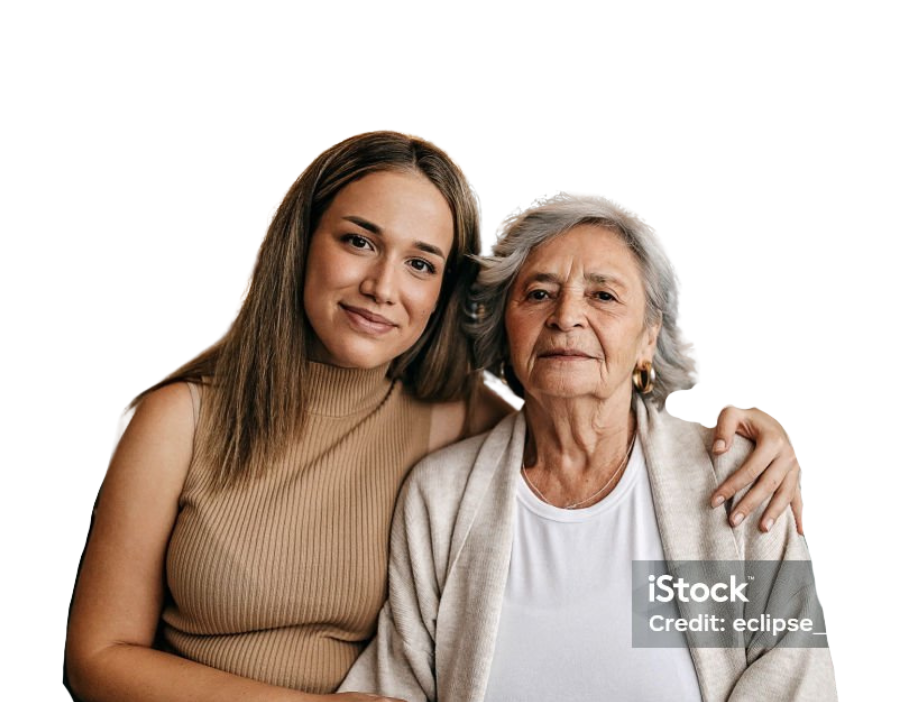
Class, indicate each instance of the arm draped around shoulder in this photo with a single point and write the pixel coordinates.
(780, 672)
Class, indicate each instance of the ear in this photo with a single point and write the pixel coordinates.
(648, 343)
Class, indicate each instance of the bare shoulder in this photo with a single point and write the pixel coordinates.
(171, 405)
(453, 421)
(448, 423)
(156, 449)
(486, 409)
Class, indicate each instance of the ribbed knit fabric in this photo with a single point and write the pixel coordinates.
(281, 579)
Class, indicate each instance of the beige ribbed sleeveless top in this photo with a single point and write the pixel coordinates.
(281, 579)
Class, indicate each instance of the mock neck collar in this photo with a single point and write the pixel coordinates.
(333, 391)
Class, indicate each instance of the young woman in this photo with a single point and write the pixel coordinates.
(240, 539)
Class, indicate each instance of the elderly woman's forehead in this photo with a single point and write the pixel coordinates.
(583, 239)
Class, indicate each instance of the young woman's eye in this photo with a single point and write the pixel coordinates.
(420, 265)
(357, 242)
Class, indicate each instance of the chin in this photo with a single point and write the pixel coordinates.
(361, 361)
(359, 355)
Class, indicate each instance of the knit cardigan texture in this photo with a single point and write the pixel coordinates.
(450, 550)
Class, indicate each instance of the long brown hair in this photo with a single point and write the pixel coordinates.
(255, 374)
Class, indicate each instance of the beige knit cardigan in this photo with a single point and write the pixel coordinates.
(450, 548)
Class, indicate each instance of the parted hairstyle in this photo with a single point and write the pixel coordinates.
(254, 376)
(523, 232)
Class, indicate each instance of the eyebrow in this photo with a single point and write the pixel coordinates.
(595, 278)
(378, 231)
(602, 279)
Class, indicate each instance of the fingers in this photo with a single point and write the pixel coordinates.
(753, 424)
(726, 427)
(764, 486)
(772, 468)
(782, 472)
(760, 459)
(780, 500)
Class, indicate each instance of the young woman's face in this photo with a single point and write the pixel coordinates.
(375, 266)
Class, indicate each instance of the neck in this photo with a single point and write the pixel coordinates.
(334, 391)
(575, 446)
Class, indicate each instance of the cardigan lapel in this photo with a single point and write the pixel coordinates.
(682, 478)
(480, 552)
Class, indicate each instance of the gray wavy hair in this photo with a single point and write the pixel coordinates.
(523, 232)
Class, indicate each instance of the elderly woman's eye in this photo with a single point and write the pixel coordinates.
(537, 295)
(604, 296)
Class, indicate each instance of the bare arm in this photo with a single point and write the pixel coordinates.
(119, 596)
(771, 468)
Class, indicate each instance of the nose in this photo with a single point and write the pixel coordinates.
(568, 313)
(379, 283)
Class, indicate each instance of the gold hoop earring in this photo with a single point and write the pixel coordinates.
(643, 378)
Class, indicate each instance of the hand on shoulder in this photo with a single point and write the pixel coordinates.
(770, 470)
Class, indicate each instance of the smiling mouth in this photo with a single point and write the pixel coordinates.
(367, 322)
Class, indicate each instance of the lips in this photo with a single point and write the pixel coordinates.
(574, 354)
(367, 322)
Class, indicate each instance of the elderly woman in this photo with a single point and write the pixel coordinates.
(512, 552)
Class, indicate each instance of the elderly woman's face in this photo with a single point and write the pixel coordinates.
(575, 316)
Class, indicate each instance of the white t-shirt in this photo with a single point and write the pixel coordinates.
(565, 627)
